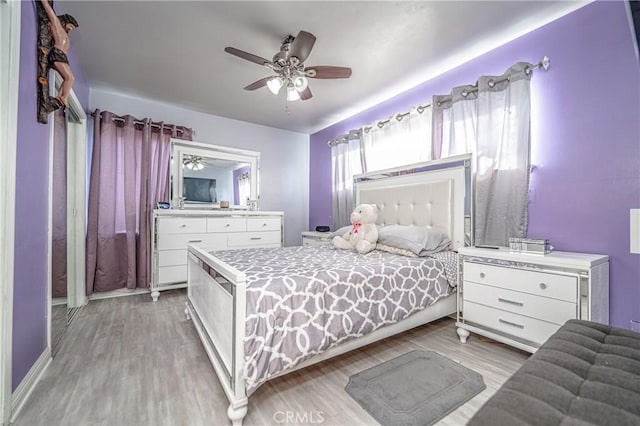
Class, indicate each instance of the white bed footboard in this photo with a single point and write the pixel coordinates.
(216, 294)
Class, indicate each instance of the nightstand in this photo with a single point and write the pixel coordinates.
(314, 238)
(522, 299)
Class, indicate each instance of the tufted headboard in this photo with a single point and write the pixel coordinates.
(432, 194)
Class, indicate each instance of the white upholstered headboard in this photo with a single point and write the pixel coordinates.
(431, 194)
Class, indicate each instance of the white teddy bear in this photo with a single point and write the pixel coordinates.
(364, 233)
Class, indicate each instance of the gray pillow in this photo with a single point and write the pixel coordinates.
(417, 239)
(340, 232)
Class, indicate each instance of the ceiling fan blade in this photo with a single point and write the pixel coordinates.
(302, 45)
(258, 84)
(306, 94)
(248, 56)
(323, 71)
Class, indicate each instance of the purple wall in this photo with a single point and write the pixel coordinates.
(584, 138)
(32, 186)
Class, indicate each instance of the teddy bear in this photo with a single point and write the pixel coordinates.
(364, 233)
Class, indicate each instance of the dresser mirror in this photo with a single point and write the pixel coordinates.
(205, 176)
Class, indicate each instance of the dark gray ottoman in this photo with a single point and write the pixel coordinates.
(586, 373)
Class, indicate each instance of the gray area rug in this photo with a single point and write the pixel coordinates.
(417, 388)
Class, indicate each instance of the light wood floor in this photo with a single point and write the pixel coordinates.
(58, 324)
(130, 361)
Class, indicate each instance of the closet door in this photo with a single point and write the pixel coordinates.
(59, 258)
(67, 216)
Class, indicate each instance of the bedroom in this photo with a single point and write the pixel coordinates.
(584, 143)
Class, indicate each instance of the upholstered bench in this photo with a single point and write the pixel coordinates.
(586, 373)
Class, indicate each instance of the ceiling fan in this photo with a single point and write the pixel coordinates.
(288, 65)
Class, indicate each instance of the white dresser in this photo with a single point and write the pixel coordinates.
(522, 299)
(315, 238)
(173, 230)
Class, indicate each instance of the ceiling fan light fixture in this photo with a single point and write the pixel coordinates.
(300, 83)
(292, 93)
(275, 84)
(194, 163)
(288, 66)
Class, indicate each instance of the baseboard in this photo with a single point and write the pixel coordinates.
(28, 384)
(118, 293)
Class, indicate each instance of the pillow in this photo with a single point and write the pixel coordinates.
(395, 250)
(340, 232)
(419, 240)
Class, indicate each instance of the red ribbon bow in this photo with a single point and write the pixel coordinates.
(354, 230)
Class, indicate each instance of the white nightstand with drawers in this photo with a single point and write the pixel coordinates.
(522, 299)
(314, 238)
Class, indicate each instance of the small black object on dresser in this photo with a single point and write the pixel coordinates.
(322, 228)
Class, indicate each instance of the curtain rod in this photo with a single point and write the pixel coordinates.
(354, 134)
(157, 126)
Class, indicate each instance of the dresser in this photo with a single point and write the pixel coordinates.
(315, 238)
(212, 230)
(522, 299)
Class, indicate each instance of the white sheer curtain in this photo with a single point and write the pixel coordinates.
(491, 121)
(403, 139)
(244, 189)
(346, 162)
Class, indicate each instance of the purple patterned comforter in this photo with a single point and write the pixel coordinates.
(304, 300)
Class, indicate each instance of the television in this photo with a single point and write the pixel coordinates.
(199, 190)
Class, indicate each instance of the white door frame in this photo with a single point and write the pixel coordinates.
(9, 80)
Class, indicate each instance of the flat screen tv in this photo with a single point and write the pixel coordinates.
(199, 190)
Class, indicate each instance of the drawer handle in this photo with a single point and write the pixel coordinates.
(194, 241)
(513, 324)
(543, 286)
(255, 238)
(264, 224)
(227, 225)
(500, 299)
(183, 225)
(482, 275)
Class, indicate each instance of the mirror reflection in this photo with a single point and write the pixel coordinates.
(211, 180)
(213, 176)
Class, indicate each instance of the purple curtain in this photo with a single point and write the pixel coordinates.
(129, 175)
(59, 207)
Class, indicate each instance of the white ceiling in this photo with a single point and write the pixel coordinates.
(173, 51)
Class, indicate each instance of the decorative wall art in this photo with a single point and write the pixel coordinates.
(53, 46)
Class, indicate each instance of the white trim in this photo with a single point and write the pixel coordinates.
(119, 293)
(52, 126)
(28, 384)
(9, 81)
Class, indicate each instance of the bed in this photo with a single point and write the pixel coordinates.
(262, 313)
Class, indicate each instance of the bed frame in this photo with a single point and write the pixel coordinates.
(435, 194)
